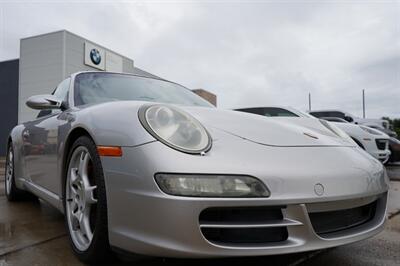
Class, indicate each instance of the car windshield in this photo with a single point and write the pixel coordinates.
(104, 87)
(335, 119)
(272, 111)
(320, 114)
(269, 111)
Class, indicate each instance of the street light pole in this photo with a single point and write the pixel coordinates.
(309, 101)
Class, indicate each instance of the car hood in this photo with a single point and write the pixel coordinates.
(117, 123)
(357, 131)
(268, 131)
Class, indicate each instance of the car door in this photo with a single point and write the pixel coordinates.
(41, 144)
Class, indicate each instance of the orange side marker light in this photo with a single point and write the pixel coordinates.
(113, 151)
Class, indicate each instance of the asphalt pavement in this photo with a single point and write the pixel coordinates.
(33, 233)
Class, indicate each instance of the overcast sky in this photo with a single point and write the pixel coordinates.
(247, 52)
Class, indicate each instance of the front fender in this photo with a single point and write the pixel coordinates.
(18, 148)
(112, 124)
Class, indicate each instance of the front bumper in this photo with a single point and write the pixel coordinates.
(380, 154)
(171, 228)
(144, 220)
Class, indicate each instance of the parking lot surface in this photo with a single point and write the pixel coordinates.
(33, 233)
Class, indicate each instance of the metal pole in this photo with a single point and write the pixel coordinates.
(309, 101)
(363, 102)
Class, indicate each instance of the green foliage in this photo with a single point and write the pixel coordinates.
(395, 124)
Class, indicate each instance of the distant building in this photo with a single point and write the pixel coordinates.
(210, 97)
(8, 100)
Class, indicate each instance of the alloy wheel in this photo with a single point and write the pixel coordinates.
(9, 170)
(80, 198)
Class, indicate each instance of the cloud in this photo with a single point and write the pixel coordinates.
(254, 53)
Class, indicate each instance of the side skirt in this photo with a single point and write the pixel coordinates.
(44, 194)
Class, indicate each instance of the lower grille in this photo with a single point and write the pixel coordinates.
(245, 225)
(381, 144)
(328, 222)
(245, 235)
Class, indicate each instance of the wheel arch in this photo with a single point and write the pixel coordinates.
(14, 140)
(8, 142)
(73, 135)
(14, 137)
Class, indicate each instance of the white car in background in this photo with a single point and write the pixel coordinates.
(350, 118)
(387, 131)
(374, 142)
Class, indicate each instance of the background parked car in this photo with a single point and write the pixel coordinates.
(394, 146)
(350, 118)
(378, 145)
(387, 131)
(373, 141)
(394, 143)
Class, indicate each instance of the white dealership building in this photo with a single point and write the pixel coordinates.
(47, 59)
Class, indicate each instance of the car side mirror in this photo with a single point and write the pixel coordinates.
(349, 119)
(43, 102)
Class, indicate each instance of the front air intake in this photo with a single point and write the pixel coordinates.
(244, 225)
(328, 222)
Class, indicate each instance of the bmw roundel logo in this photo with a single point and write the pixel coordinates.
(95, 56)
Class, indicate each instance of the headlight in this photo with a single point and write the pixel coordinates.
(371, 131)
(175, 128)
(337, 131)
(211, 185)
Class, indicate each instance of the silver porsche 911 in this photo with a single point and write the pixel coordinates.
(145, 166)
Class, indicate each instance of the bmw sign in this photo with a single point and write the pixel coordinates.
(95, 56)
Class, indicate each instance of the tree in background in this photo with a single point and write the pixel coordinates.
(395, 124)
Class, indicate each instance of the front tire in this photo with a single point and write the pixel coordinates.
(85, 203)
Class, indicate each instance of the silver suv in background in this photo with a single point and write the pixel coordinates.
(387, 131)
(351, 118)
